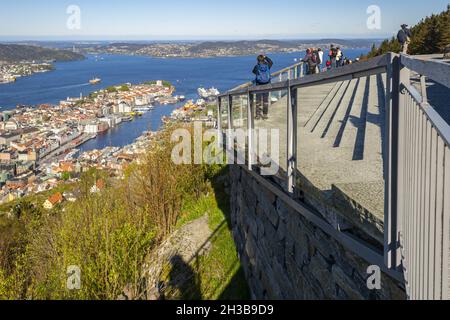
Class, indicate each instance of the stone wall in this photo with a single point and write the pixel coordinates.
(286, 257)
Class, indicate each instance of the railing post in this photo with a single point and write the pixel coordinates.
(230, 110)
(301, 70)
(250, 129)
(391, 229)
(219, 124)
(291, 138)
(423, 87)
(230, 135)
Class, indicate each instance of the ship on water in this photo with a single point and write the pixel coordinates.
(208, 94)
(144, 109)
(95, 81)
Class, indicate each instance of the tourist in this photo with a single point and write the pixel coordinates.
(263, 77)
(332, 56)
(404, 37)
(320, 59)
(339, 57)
(311, 61)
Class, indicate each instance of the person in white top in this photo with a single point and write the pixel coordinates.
(339, 57)
(320, 62)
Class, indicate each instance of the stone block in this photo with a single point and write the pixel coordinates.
(282, 209)
(285, 284)
(250, 250)
(270, 211)
(346, 284)
(270, 285)
(296, 277)
(321, 277)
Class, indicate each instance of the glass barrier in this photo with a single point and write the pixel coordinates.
(239, 137)
(340, 140)
(270, 135)
(224, 113)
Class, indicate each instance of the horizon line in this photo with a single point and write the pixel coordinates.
(106, 38)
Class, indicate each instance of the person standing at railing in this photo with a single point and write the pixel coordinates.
(339, 57)
(404, 37)
(263, 77)
(320, 62)
(311, 59)
(332, 55)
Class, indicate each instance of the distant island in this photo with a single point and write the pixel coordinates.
(15, 53)
(218, 48)
(24, 60)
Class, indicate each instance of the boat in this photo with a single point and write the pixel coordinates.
(208, 94)
(144, 109)
(95, 81)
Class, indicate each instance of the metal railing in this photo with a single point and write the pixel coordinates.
(417, 160)
(292, 72)
(419, 181)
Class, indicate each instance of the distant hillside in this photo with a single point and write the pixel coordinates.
(223, 48)
(18, 53)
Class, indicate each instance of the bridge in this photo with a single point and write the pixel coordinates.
(364, 162)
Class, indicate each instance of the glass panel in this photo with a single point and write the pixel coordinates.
(270, 134)
(224, 113)
(240, 114)
(339, 151)
(240, 126)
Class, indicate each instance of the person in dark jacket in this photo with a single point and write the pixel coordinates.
(332, 55)
(404, 37)
(263, 77)
(311, 60)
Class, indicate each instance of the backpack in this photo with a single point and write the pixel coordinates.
(333, 53)
(263, 76)
(401, 36)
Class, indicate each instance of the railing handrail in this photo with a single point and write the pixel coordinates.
(377, 64)
(435, 70)
(275, 74)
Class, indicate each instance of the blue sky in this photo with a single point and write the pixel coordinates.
(208, 19)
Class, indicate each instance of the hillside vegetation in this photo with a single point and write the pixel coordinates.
(431, 35)
(18, 53)
(109, 234)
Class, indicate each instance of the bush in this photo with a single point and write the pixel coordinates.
(107, 235)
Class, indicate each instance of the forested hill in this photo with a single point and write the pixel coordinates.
(18, 53)
(430, 35)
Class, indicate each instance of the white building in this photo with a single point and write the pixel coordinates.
(125, 107)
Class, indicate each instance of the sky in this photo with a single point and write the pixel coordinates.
(208, 19)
